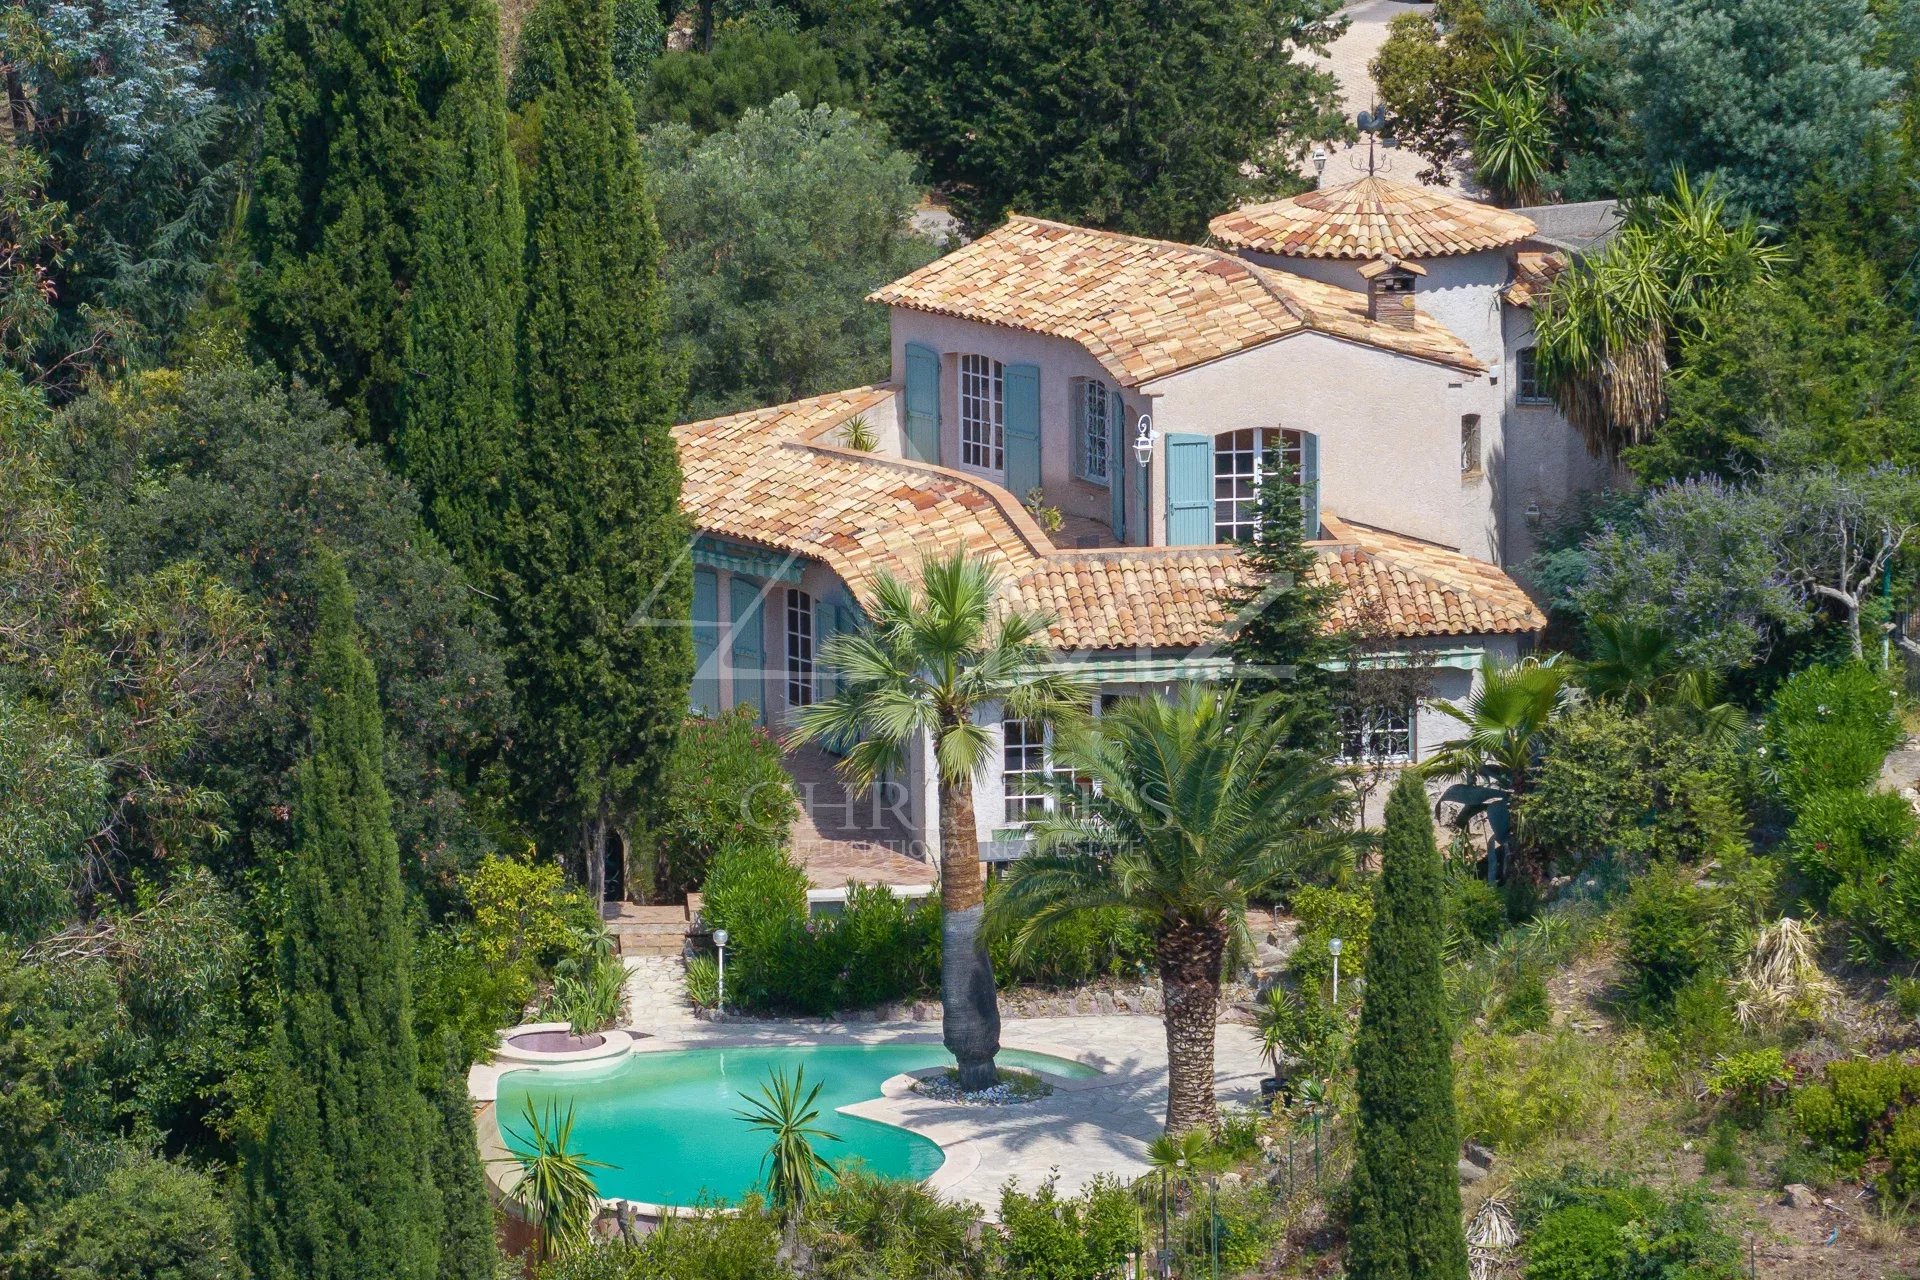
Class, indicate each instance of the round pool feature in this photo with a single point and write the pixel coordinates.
(553, 1044)
(555, 1041)
(666, 1120)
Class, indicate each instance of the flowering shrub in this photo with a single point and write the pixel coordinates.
(724, 786)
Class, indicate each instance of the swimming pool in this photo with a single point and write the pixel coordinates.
(665, 1120)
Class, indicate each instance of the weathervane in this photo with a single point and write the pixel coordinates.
(1372, 121)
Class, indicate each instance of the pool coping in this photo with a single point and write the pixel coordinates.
(960, 1153)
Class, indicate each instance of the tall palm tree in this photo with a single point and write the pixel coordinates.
(793, 1165)
(1185, 807)
(925, 667)
(1506, 718)
(556, 1185)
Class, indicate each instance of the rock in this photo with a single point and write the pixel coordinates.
(1471, 1172)
(1102, 1003)
(1800, 1196)
(1479, 1155)
(1229, 1179)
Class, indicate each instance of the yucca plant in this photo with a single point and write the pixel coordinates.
(858, 433)
(1512, 138)
(792, 1165)
(1603, 331)
(590, 997)
(556, 1186)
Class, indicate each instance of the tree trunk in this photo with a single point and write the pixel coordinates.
(969, 1011)
(1190, 956)
(596, 859)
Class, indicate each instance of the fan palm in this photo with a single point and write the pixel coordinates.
(1641, 666)
(1186, 806)
(792, 1165)
(1505, 718)
(927, 663)
(556, 1185)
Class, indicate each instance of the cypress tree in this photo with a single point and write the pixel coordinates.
(1404, 1218)
(467, 1245)
(386, 221)
(1279, 635)
(339, 1182)
(595, 585)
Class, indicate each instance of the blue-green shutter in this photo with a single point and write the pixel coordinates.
(1022, 389)
(923, 403)
(1117, 456)
(1310, 483)
(749, 647)
(1189, 491)
(705, 693)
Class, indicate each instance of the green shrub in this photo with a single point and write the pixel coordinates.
(1046, 1236)
(1903, 1156)
(724, 786)
(1830, 727)
(1475, 911)
(748, 67)
(1325, 914)
(588, 996)
(1856, 1102)
(758, 894)
(1579, 1242)
(1842, 835)
(1104, 943)
(1669, 927)
(703, 982)
(704, 1246)
(870, 1228)
(1723, 1155)
(1514, 1091)
(1751, 1083)
(1906, 995)
(1526, 1005)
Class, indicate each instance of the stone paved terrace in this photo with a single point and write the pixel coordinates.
(1093, 1127)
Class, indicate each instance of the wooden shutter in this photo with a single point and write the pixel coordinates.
(1022, 390)
(749, 647)
(705, 693)
(1118, 457)
(1310, 484)
(923, 403)
(1189, 491)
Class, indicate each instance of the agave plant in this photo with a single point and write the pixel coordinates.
(1780, 979)
(792, 1166)
(556, 1186)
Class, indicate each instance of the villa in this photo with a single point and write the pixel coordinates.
(1375, 336)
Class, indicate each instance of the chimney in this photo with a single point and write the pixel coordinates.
(1390, 291)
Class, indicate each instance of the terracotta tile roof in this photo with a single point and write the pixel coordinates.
(775, 477)
(1145, 308)
(1533, 271)
(1374, 217)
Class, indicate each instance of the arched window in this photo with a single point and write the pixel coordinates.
(1240, 462)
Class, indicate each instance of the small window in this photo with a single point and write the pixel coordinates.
(1093, 450)
(799, 648)
(1470, 445)
(1023, 770)
(1526, 378)
(983, 413)
(1380, 735)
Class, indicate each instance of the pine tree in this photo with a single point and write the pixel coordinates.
(339, 1183)
(386, 221)
(595, 585)
(1404, 1219)
(1280, 638)
(467, 1246)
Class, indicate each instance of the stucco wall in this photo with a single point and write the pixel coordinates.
(1546, 464)
(1461, 291)
(1060, 362)
(1389, 429)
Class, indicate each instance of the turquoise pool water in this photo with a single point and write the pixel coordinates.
(665, 1120)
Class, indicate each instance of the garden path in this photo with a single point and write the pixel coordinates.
(657, 995)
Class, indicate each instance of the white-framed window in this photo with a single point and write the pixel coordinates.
(799, 648)
(1469, 445)
(1377, 735)
(1526, 378)
(983, 413)
(1023, 771)
(1093, 451)
(1239, 465)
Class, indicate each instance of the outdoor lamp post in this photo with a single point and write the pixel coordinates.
(1333, 948)
(720, 987)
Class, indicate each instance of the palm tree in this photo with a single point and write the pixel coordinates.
(1186, 807)
(792, 1165)
(926, 665)
(1505, 718)
(556, 1188)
